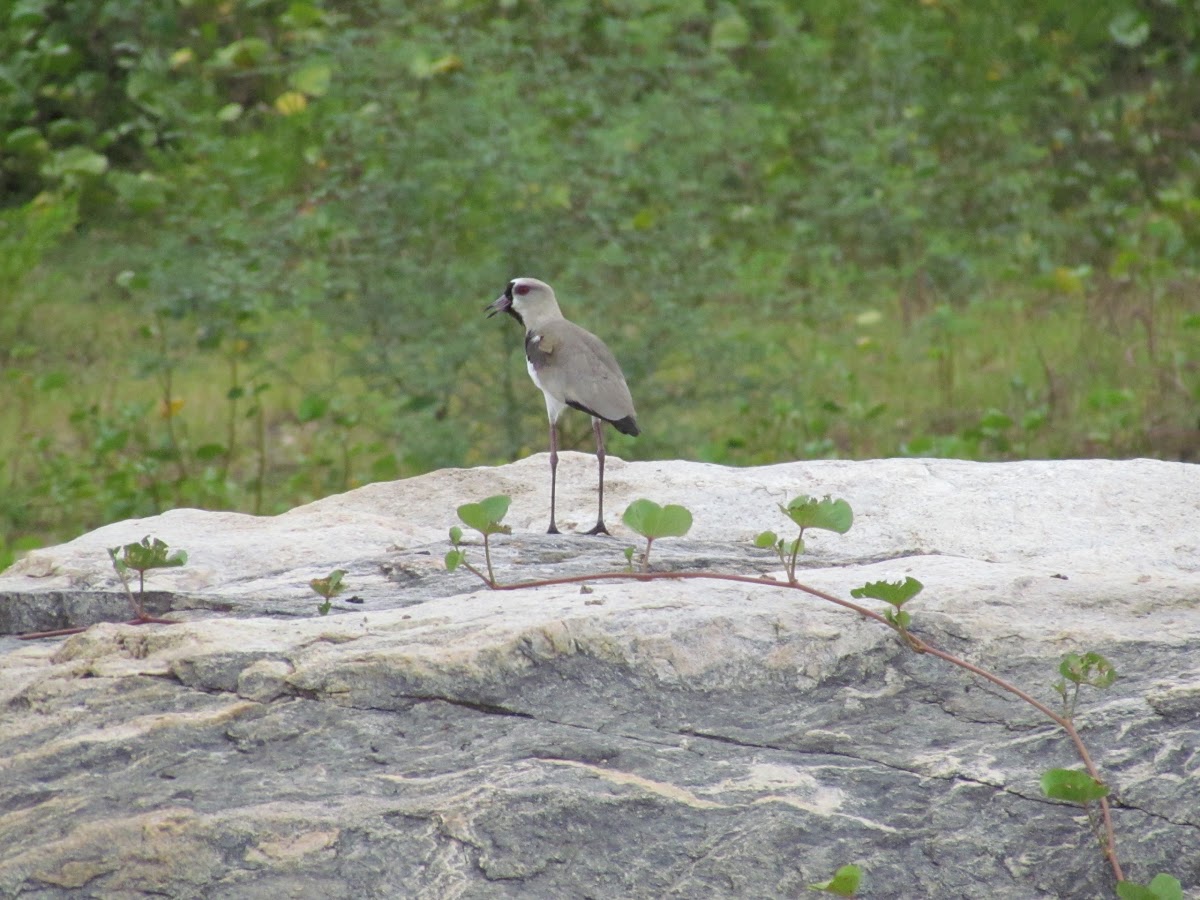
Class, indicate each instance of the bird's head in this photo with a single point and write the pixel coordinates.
(527, 300)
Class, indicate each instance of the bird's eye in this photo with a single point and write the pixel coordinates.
(522, 289)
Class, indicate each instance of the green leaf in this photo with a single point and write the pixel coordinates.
(844, 883)
(1166, 887)
(312, 79)
(242, 53)
(1072, 785)
(455, 535)
(329, 586)
(312, 407)
(149, 554)
(827, 514)
(1162, 887)
(485, 516)
(896, 593)
(1129, 29)
(629, 551)
(453, 559)
(730, 33)
(75, 161)
(207, 452)
(766, 540)
(652, 521)
(898, 617)
(1090, 668)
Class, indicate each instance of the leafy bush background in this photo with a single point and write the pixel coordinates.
(244, 248)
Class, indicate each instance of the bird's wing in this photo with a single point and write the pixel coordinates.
(582, 370)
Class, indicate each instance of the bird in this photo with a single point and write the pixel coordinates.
(573, 368)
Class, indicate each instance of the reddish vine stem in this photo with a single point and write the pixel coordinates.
(916, 644)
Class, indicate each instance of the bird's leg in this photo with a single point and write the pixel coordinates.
(553, 529)
(598, 429)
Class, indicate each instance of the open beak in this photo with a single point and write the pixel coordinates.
(503, 303)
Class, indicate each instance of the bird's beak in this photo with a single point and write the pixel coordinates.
(501, 304)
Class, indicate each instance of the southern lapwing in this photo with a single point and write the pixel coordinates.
(573, 368)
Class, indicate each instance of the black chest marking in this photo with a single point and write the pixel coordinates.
(538, 349)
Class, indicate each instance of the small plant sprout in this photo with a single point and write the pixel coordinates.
(144, 555)
(328, 587)
(1091, 669)
(484, 517)
(141, 557)
(896, 594)
(844, 883)
(1073, 785)
(652, 522)
(456, 556)
(807, 512)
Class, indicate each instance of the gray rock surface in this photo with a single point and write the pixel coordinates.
(630, 739)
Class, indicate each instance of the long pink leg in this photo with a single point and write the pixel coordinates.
(553, 529)
(598, 430)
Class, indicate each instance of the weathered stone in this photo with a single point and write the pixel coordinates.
(628, 739)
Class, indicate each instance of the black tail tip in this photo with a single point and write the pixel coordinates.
(626, 425)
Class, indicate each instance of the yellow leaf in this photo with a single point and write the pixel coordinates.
(166, 410)
(291, 102)
(452, 62)
(182, 57)
(1068, 281)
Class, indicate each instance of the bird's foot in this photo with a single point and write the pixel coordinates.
(598, 528)
(553, 529)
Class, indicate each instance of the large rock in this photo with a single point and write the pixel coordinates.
(707, 739)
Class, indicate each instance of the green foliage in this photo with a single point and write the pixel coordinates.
(1161, 887)
(806, 512)
(844, 883)
(897, 593)
(827, 514)
(457, 556)
(1090, 668)
(1072, 785)
(93, 94)
(652, 522)
(485, 516)
(146, 554)
(1077, 670)
(143, 556)
(328, 588)
(894, 593)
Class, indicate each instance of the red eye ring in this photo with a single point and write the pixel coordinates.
(522, 289)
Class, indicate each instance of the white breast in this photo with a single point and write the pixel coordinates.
(555, 406)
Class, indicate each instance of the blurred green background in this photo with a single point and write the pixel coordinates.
(245, 245)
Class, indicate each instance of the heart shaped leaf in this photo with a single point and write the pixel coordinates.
(485, 516)
(652, 521)
(1072, 785)
(844, 882)
(827, 514)
(896, 593)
